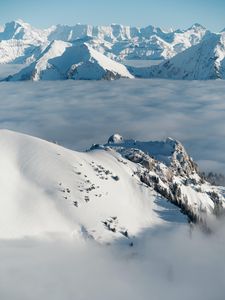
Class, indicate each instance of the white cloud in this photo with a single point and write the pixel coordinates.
(170, 265)
(173, 264)
(78, 113)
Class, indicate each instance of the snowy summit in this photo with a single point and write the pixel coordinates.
(63, 60)
(111, 192)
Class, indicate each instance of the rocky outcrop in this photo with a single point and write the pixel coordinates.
(168, 169)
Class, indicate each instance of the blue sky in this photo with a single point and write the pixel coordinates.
(164, 13)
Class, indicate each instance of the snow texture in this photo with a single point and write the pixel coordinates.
(48, 189)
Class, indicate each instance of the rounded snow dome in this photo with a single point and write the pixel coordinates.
(115, 139)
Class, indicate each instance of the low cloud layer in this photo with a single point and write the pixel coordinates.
(172, 264)
(168, 264)
(77, 113)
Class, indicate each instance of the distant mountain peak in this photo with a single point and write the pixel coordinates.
(20, 30)
(203, 61)
(197, 26)
(17, 23)
(20, 21)
(62, 60)
(116, 41)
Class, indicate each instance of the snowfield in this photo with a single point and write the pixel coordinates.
(114, 191)
(47, 189)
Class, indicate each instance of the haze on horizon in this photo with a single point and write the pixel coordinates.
(162, 13)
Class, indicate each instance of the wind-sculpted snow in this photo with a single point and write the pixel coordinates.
(48, 189)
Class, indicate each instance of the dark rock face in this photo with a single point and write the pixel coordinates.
(171, 172)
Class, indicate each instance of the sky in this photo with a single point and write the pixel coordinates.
(163, 13)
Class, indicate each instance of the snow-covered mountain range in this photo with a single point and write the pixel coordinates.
(113, 191)
(63, 60)
(127, 42)
(91, 52)
(203, 61)
(116, 41)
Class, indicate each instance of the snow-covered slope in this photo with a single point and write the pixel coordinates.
(201, 62)
(46, 188)
(63, 60)
(110, 192)
(38, 69)
(21, 43)
(19, 51)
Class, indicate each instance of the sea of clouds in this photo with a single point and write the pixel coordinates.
(164, 264)
(174, 264)
(77, 114)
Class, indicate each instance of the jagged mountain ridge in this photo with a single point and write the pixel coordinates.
(171, 172)
(203, 61)
(116, 41)
(21, 43)
(194, 53)
(128, 42)
(62, 60)
(20, 30)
